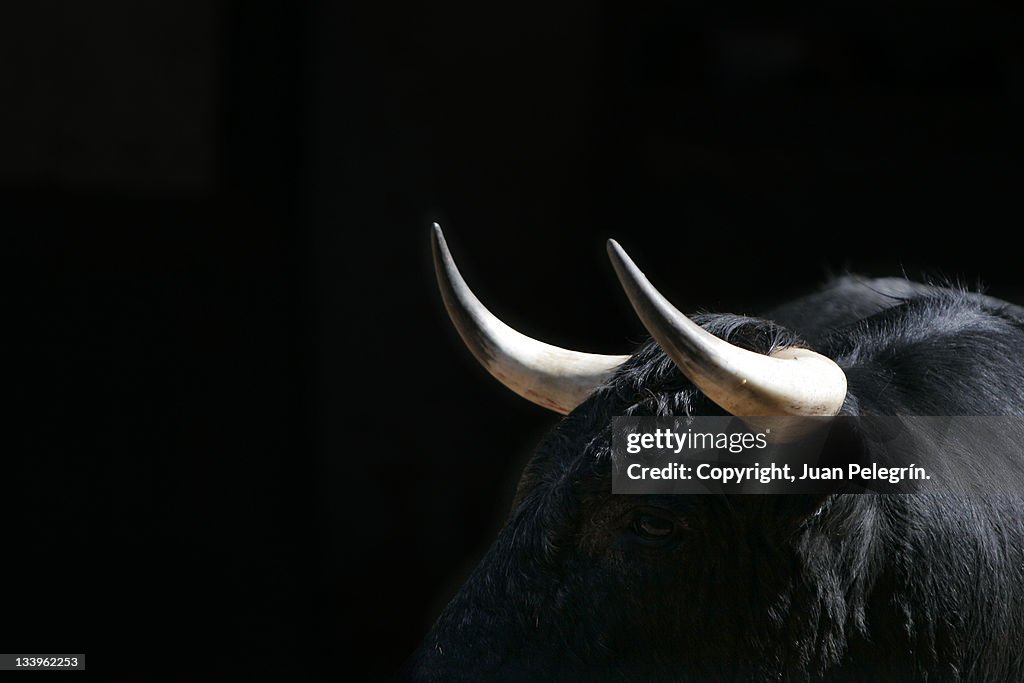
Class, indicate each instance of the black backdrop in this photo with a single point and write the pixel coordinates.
(248, 435)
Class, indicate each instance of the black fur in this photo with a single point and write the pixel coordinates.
(855, 587)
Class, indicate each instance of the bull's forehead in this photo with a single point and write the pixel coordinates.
(575, 457)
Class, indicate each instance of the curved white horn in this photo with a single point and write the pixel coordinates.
(790, 382)
(550, 376)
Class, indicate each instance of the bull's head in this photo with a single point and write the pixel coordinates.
(581, 584)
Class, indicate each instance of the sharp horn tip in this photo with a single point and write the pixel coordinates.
(437, 238)
(615, 249)
(615, 252)
(619, 258)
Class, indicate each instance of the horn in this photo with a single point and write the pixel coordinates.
(790, 382)
(553, 377)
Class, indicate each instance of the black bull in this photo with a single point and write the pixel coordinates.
(584, 585)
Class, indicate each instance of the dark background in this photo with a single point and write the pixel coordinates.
(246, 435)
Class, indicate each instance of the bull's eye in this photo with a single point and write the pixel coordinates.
(653, 527)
